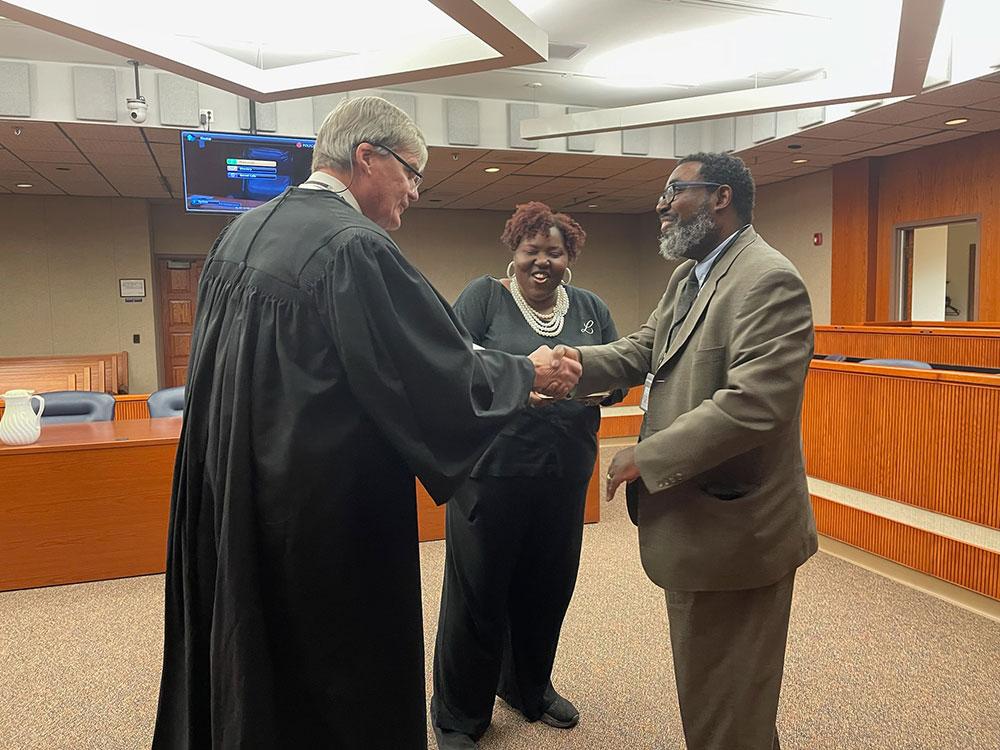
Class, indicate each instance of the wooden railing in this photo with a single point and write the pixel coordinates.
(968, 347)
(105, 373)
(925, 439)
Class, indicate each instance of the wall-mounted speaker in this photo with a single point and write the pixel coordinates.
(635, 142)
(515, 113)
(267, 115)
(15, 89)
(177, 99)
(687, 138)
(95, 93)
(461, 122)
(582, 143)
(406, 102)
(322, 106)
(764, 127)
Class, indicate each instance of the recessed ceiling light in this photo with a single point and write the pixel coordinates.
(957, 121)
(799, 161)
(593, 205)
(794, 145)
(491, 170)
(24, 185)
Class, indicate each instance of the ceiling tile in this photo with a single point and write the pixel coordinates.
(894, 148)
(88, 187)
(114, 133)
(941, 136)
(899, 113)
(68, 172)
(555, 165)
(513, 157)
(49, 156)
(33, 135)
(162, 135)
(961, 94)
(893, 134)
(843, 129)
(991, 105)
(91, 147)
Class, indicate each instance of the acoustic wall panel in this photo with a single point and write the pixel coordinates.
(635, 142)
(406, 102)
(516, 112)
(764, 127)
(267, 116)
(810, 116)
(322, 106)
(582, 143)
(724, 134)
(461, 122)
(687, 138)
(15, 89)
(177, 100)
(95, 93)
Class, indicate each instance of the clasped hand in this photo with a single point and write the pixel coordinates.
(556, 370)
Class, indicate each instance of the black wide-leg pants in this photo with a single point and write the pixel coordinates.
(512, 555)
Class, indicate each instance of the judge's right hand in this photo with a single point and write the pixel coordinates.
(556, 370)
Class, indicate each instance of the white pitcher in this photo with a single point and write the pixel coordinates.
(20, 425)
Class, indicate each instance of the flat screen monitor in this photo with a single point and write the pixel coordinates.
(233, 172)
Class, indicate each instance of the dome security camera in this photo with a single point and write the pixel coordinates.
(137, 109)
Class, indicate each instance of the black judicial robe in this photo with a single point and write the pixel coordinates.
(325, 373)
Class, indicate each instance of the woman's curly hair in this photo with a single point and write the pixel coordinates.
(534, 218)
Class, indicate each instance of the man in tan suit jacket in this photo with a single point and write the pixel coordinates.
(722, 505)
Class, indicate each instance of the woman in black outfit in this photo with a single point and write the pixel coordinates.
(515, 528)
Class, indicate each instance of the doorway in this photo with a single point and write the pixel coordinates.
(935, 271)
(177, 285)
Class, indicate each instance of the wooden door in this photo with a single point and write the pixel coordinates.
(177, 281)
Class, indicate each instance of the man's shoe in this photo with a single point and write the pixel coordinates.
(561, 714)
(448, 740)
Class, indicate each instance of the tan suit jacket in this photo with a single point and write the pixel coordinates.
(723, 502)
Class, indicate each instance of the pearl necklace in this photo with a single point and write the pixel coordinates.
(544, 325)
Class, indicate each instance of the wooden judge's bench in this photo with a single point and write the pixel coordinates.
(90, 501)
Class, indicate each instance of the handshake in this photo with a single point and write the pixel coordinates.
(556, 371)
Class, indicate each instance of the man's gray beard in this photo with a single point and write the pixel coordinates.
(676, 242)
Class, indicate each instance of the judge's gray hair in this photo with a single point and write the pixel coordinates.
(365, 119)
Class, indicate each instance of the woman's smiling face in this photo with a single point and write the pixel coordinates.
(539, 264)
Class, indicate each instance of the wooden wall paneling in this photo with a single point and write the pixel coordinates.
(853, 250)
(962, 564)
(928, 439)
(131, 406)
(978, 347)
(957, 178)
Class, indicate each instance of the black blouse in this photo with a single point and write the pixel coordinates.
(557, 440)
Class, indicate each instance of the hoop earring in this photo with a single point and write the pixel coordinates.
(510, 270)
(568, 281)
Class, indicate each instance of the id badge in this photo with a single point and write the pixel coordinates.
(644, 403)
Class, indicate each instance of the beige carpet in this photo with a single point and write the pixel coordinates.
(872, 665)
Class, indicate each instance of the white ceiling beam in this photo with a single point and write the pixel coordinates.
(506, 38)
(917, 31)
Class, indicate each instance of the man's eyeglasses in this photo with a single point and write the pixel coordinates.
(415, 177)
(674, 188)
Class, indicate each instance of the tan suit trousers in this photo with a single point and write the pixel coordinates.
(729, 656)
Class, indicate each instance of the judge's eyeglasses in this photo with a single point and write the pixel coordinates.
(415, 177)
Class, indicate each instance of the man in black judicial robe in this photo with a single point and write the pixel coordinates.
(325, 373)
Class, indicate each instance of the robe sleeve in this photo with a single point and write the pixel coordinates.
(410, 363)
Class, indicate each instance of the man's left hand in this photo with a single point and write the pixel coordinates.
(621, 470)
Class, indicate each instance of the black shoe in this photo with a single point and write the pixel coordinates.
(561, 714)
(448, 740)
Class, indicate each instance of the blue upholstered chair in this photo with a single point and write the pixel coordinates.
(77, 406)
(897, 363)
(166, 402)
